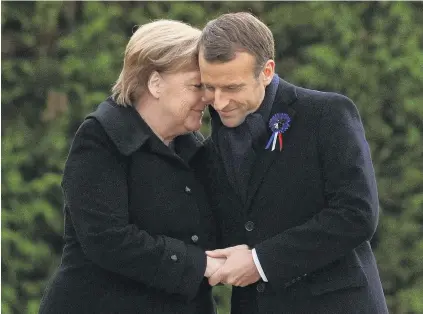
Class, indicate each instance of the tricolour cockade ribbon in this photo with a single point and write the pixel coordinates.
(279, 123)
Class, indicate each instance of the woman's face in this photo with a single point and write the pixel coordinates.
(181, 100)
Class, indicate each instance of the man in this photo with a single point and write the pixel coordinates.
(292, 181)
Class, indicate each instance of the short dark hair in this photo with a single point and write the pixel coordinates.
(230, 33)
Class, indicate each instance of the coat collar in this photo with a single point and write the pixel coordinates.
(128, 131)
(286, 95)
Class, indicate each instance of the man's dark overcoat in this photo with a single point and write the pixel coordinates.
(310, 212)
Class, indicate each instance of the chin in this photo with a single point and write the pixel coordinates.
(194, 126)
(231, 123)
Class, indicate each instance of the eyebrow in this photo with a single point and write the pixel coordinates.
(225, 86)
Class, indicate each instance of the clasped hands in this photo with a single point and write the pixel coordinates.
(233, 266)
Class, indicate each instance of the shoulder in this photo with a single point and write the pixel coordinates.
(330, 104)
(92, 133)
(317, 97)
(91, 126)
(123, 126)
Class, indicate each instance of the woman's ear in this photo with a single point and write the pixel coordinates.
(154, 84)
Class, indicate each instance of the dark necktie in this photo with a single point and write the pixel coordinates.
(238, 153)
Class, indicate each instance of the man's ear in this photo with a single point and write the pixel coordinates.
(154, 84)
(268, 72)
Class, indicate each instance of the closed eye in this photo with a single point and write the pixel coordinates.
(233, 88)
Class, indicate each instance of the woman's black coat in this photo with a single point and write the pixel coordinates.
(137, 222)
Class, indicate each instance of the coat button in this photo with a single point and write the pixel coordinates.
(249, 226)
(194, 238)
(174, 258)
(187, 190)
(260, 287)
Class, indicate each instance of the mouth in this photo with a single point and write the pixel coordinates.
(226, 112)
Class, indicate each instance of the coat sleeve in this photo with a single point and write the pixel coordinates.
(96, 195)
(351, 212)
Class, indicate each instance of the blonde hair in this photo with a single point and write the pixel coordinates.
(163, 46)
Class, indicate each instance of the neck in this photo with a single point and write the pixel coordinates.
(149, 110)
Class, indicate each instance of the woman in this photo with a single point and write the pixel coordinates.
(137, 222)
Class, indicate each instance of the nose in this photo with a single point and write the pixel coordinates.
(220, 101)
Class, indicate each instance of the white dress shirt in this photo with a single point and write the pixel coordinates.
(258, 265)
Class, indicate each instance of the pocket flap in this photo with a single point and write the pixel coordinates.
(350, 278)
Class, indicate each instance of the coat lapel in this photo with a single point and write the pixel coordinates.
(185, 147)
(285, 97)
(216, 124)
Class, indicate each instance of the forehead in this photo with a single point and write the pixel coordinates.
(191, 75)
(186, 77)
(238, 70)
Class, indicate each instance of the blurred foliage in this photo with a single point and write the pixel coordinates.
(60, 59)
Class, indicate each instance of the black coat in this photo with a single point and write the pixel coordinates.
(137, 222)
(310, 213)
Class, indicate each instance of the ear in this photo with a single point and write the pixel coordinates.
(268, 72)
(154, 84)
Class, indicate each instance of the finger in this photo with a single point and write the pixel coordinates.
(242, 282)
(227, 251)
(218, 253)
(215, 278)
(246, 281)
(232, 281)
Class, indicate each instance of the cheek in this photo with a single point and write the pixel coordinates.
(253, 100)
(192, 99)
(184, 106)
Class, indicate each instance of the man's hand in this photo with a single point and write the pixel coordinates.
(226, 252)
(239, 268)
(213, 264)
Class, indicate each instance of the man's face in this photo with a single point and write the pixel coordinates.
(232, 87)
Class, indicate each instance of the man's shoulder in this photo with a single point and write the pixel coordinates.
(313, 101)
(318, 97)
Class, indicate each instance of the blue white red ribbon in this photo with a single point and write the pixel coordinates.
(279, 123)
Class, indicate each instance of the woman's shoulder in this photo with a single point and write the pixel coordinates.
(91, 127)
(92, 133)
